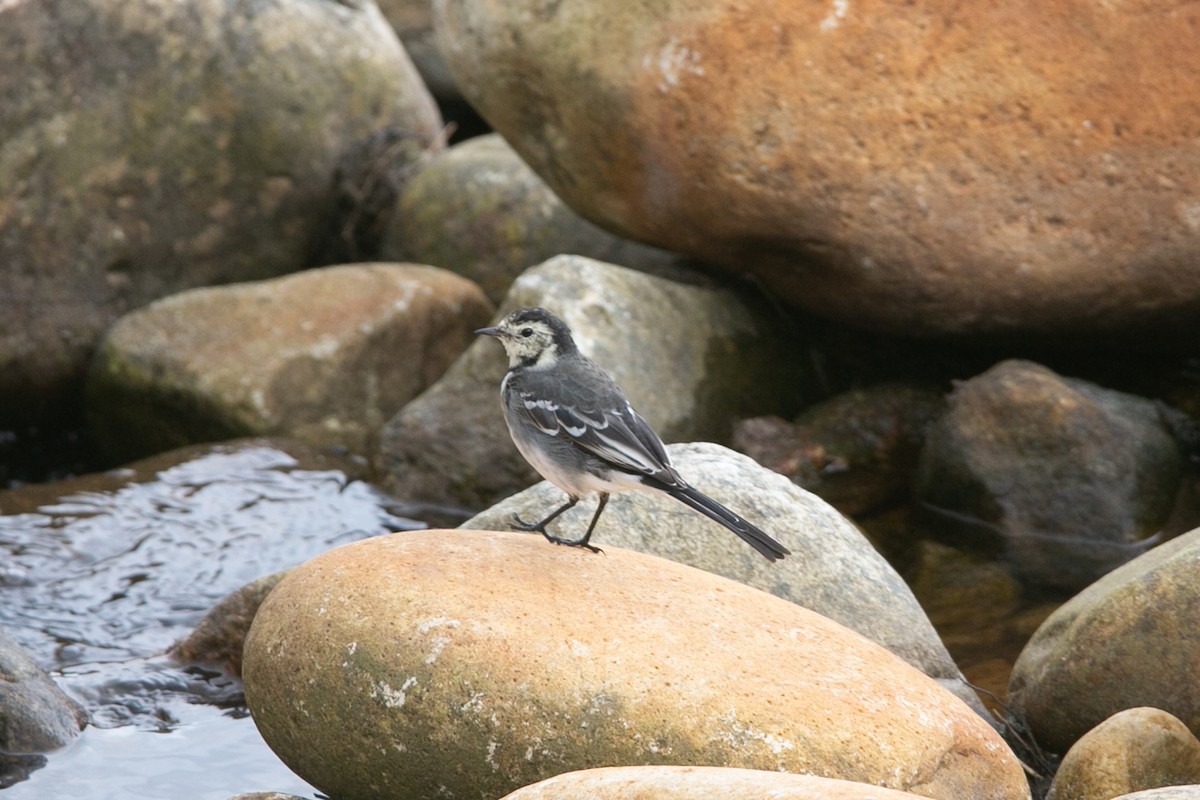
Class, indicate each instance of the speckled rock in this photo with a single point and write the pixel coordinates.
(691, 358)
(833, 569)
(1130, 639)
(929, 167)
(1141, 748)
(471, 663)
(479, 210)
(1191, 792)
(698, 783)
(413, 22)
(1066, 478)
(152, 146)
(36, 716)
(324, 356)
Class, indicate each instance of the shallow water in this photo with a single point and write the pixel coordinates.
(98, 582)
(210, 754)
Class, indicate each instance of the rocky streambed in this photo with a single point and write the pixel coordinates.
(913, 287)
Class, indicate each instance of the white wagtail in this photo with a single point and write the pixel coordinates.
(575, 427)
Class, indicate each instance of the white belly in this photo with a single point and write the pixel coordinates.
(575, 482)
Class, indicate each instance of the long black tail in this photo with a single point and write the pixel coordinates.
(710, 508)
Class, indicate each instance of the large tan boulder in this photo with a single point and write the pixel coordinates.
(698, 783)
(471, 663)
(929, 167)
(833, 569)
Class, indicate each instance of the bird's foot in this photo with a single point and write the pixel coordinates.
(519, 524)
(540, 527)
(572, 543)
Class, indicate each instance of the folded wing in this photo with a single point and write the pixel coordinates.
(619, 436)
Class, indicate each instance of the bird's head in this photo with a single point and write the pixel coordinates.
(532, 337)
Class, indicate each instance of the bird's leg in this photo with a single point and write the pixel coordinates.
(540, 527)
(584, 541)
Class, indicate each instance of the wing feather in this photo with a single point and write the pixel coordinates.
(619, 437)
(543, 414)
(591, 412)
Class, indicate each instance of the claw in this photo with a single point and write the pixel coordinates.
(570, 543)
(529, 527)
(540, 527)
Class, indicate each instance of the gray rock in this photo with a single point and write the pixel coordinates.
(690, 358)
(479, 210)
(168, 146)
(1190, 792)
(1066, 478)
(1130, 639)
(413, 22)
(35, 715)
(833, 569)
(324, 356)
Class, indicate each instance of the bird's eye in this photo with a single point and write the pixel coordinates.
(527, 332)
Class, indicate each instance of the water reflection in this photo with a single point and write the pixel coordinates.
(1068, 560)
(113, 575)
(210, 755)
(99, 579)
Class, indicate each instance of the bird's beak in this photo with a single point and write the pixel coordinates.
(488, 331)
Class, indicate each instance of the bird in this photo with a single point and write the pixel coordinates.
(574, 425)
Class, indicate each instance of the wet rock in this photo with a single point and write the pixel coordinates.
(323, 356)
(479, 210)
(964, 590)
(690, 359)
(857, 450)
(696, 783)
(170, 146)
(956, 182)
(14, 769)
(833, 569)
(1141, 748)
(266, 796)
(980, 612)
(219, 637)
(1130, 639)
(496, 661)
(35, 715)
(1063, 477)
